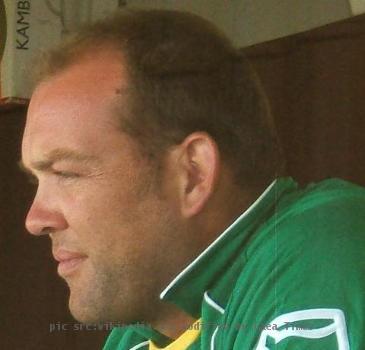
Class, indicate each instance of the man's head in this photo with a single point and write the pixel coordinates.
(147, 133)
(185, 75)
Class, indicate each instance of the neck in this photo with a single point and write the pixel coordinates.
(172, 322)
(217, 216)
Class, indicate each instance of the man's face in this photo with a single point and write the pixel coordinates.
(111, 227)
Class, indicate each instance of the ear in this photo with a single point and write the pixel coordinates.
(198, 168)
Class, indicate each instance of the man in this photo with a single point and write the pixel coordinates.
(157, 168)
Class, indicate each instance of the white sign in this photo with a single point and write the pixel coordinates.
(36, 25)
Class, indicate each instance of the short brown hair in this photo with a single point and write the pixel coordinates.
(185, 76)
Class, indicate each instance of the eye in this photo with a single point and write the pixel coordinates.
(66, 174)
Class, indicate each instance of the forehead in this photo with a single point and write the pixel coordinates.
(95, 81)
(76, 105)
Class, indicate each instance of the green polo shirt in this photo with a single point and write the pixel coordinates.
(289, 273)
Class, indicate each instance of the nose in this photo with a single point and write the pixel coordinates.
(43, 219)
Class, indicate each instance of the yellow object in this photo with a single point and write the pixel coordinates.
(185, 340)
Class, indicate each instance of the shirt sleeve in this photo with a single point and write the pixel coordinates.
(303, 286)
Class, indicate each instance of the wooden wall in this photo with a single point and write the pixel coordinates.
(316, 84)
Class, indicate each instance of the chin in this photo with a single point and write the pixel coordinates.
(102, 301)
(94, 312)
(80, 315)
(82, 310)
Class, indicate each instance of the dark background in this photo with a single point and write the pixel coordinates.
(316, 85)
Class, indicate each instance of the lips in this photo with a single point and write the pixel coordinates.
(69, 261)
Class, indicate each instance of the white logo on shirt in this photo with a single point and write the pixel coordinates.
(338, 326)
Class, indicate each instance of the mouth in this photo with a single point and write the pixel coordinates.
(68, 262)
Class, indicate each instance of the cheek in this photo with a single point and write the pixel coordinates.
(91, 202)
(105, 217)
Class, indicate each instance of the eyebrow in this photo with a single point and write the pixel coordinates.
(57, 155)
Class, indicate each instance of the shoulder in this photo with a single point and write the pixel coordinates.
(323, 219)
(308, 257)
(317, 234)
